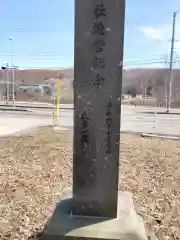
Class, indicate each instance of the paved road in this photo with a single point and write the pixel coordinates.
(133, 119)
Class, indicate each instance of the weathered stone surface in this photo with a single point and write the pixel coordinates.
(99, 34)
(128, 225)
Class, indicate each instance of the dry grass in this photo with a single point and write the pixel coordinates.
(35, 169)
(150, 169)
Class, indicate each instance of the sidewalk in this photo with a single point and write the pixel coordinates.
(11, 126)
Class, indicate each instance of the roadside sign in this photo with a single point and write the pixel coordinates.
(58, 101)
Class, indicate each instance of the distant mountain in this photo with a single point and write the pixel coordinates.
(136, 78)
(39, 76)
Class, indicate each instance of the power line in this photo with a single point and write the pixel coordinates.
(126, 63)
(29, 30)
(147, 63)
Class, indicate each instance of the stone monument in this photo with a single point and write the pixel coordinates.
(95, 209)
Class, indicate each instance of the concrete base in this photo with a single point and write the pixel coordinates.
(128, 225)
(58, 129)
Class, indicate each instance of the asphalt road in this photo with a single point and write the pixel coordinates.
(132, 119)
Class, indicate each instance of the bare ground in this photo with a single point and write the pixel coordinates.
(35, 169)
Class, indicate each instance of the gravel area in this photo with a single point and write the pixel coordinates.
(35, 169)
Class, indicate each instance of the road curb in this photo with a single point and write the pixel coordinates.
(162, 136)
(40, 107)
(15, 110)
(153, 135)
(161, 113)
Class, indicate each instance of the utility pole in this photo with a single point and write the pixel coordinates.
(169, 87)
(7, 80)
(13, 83)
